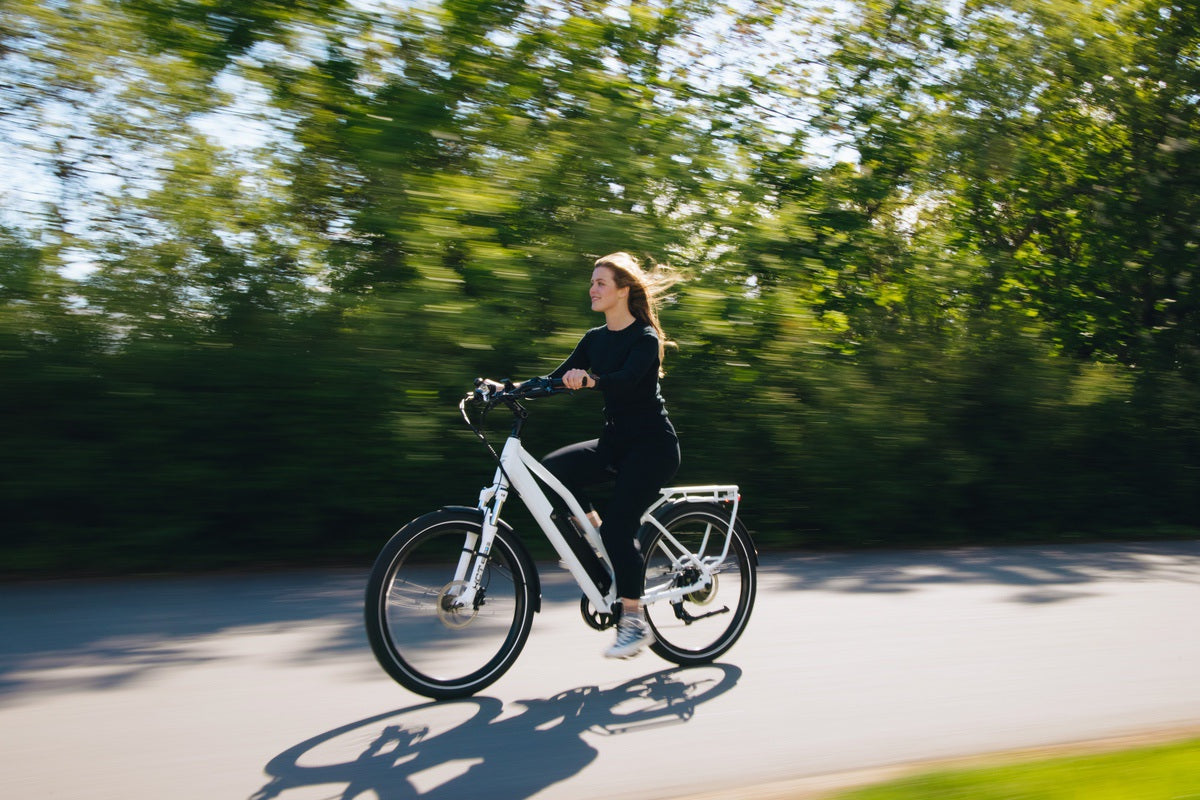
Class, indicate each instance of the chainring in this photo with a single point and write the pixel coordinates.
(596, 620)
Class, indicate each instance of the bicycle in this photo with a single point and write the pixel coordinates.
(451, 597)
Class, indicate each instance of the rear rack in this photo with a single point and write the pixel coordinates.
(721, 493)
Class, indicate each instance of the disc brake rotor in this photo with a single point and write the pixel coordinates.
(450, 610)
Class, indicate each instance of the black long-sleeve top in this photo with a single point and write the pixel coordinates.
(625, 366)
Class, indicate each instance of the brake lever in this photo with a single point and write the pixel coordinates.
(483, 391)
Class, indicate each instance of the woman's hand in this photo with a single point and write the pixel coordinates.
(578, 379)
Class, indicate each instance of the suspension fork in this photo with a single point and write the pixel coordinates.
(477, 547)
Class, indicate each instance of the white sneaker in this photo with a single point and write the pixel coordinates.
(633, 634)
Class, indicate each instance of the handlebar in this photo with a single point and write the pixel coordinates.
(488, 392)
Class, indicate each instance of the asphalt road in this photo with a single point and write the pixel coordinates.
(262, 686)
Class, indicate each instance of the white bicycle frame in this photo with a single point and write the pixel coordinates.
(520, 470)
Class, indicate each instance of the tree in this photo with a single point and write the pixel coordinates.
(1059, 140)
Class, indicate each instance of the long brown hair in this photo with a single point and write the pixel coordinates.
(645, 292)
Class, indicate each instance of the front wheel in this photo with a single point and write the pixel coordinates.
(428, 629)
(702, 625)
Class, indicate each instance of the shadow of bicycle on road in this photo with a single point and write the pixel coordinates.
(479, 747)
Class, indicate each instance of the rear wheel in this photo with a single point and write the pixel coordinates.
(705, 623)
(426, 629)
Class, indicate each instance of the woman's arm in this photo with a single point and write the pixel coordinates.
(574, 371)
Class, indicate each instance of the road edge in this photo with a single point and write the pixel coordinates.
(817, 787)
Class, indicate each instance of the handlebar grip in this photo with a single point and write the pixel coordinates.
(539, 387)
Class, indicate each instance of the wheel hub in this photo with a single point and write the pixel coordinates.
(703, 597)
(450, 609)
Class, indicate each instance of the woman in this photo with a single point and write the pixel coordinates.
(638, 448)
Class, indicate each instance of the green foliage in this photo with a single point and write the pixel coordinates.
(228, 347)
(1062, 150)
(1162, 772)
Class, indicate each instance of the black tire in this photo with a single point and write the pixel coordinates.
(704, 625)
(418, 635)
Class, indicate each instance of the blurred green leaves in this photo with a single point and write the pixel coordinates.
(258, 249)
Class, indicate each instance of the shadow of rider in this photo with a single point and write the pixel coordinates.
(494, 752)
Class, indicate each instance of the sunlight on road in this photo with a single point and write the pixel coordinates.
(264, 687)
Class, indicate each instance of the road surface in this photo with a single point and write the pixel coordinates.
(262, 686)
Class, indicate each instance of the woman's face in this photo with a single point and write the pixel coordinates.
(604, 292)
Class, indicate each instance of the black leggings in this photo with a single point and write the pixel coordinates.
(640, 467)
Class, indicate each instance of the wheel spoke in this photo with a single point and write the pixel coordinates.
(439, 636)
(704, 623)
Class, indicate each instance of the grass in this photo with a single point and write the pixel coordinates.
(1162, 772)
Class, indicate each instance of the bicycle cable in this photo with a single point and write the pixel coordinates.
(462, 407)
(534, 387)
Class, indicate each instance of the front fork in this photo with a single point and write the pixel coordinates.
(473, 560)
